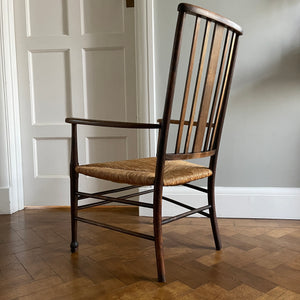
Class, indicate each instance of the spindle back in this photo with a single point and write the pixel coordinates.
(206, 82)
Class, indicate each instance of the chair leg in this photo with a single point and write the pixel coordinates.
(157, 224)
(74, 211)
(212, 212)
(161, 277)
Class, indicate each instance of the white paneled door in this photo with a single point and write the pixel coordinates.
(74, 58)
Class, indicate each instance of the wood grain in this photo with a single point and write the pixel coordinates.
(260, 258)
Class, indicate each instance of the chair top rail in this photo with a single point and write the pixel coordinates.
(201, 12)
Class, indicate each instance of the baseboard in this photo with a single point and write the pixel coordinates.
(4, 201)
(235, 202)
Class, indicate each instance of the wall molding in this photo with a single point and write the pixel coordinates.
(4, 203)
(238, 202)
(145, 75)
(14, 199)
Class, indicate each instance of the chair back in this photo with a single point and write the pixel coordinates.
(206, 56)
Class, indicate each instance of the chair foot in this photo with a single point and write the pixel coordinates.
(160, 264)
(73, 246)
(161, 278)
(212, 213)
(215, 230)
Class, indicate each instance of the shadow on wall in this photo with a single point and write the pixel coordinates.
(271, 38)
(261, 140)
(263, 128)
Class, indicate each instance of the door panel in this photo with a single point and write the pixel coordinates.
(75, 58)
(46, 18)
(102, 16)
(49, 81)
(104, 67)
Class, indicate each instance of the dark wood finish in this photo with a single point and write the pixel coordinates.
(94, 204)
(172, 156)
(113, 191)
(212, 212)
(116, 199)
(138, 194)
(104, 123)
(224, 94)
(115, 228)
(198, 135)
(187, 85)
(197, 87)
(129, 3)
(211, 124)
(259, 258)
(74, 188)
(209, 84)
(186, 214)
(161, 150)
(185, 206)
(196, 10)
(195, 187)
(185, 122)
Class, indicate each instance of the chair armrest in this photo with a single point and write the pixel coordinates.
(104, 123)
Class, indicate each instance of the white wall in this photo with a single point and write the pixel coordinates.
(261, 138)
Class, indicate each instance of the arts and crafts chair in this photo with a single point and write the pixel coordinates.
(197, 94)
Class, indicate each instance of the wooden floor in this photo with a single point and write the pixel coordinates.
(260, 258)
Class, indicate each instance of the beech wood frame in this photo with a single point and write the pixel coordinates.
(211, 147)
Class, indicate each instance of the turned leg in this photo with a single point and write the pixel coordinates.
(74, 212)
(74, 188)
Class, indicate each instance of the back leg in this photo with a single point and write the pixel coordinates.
(212, 212)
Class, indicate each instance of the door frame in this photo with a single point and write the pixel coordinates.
(14, 199)
(145, 75)
(13, 195)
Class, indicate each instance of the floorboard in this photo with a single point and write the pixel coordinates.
(260, 259)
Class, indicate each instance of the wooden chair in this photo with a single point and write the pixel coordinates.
(208, 72)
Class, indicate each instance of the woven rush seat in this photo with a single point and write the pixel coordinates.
(142, 171)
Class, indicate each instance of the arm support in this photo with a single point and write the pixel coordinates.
(104, 123)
